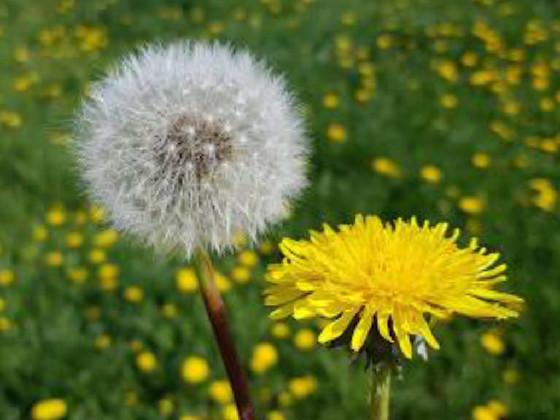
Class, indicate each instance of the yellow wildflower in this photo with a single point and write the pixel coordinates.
(431, 174)
(102, 342)
(56, 217)
(106, 238)
(220, 392)
(5, 324)
(510, 376)
(229, 412)
(40, 233)
(248, 258)
(280, 330)
(74, 240)
(146, 361)
(51, 409)
(7, 277)
(472, 205)
(275, 415)
(264, 357)
(241, 274)
(392, 274)
(166, 407)
(385, 166)
(97, 256)
(54, 259)
(305, 339)
(133, 294)
(77, 274)
(331, 100)
(448, 101)
(303, 386)
(186, 280)
(336, 133)
(194, 370)
(492, 342)
(481, 160)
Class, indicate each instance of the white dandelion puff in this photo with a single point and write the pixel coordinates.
(188, 144)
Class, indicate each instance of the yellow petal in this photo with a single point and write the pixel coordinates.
(303, 310)
(401, 332)
(362, 329)
(282, 311)
(422, 328)
(336, 328)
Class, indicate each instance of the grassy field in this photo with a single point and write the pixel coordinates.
(443, 109)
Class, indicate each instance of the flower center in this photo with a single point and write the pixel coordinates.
(193, 147)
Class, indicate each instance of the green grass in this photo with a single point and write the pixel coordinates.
(50, 351)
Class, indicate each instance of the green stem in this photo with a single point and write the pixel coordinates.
(216, 314)
(380, 391)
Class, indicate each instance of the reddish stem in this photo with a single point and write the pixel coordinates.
(216, 314)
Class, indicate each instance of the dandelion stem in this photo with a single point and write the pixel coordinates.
(217, 316)
(380, 391)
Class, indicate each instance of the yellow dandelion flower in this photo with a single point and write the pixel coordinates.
(7, 277)
(275, 415)
(481, 160)
(280, 330)
(40, 233)
(74, 240)
(220, 392)
(5, 324)
(481, 412)
(248, 258)
(264, 357)
(492, 342)
(385, 278)
(448, 101)
(241, 274)
(133, 294)
(431, 174)
(52, 409)
(498, 408)
(77, 274)
(108, 270)
(472, 205)
(166, 407)
(106, 238)
(97, 214)
(510, 376)
(331, 100)
(194, 370)
(387, 167)
(229, 412)
(103, 342)
(305, 339)
(54, 259)
(97, 256)
(169, 310)
(186, 281)
(303, 386)
(146, 361)
(336, 133)
(10, 119)
(56, 217)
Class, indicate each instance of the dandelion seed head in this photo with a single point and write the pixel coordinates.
(188, 144)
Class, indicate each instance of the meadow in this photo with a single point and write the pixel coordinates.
(444, 109)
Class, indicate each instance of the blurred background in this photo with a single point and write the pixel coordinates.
(443, 109)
